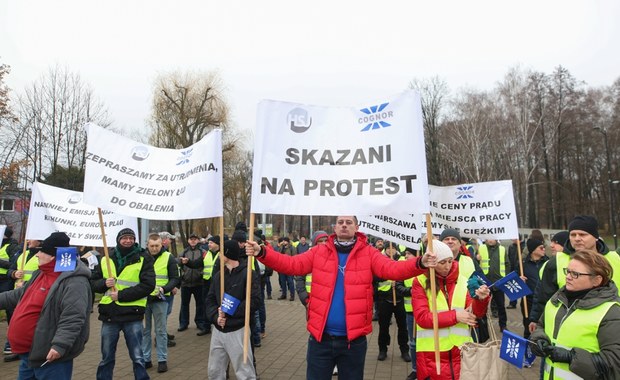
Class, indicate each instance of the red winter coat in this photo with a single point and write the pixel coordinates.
(450, 360)
(363, 263)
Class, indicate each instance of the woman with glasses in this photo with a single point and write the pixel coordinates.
(578, 332)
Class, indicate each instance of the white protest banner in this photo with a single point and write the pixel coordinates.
(484, 210)
(312, 160)
(54, 209)
(2, 229)
(403, 229)
(136, 179)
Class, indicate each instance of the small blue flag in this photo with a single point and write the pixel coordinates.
(229, 304)
(529, 357)
(513, 348)
(66, 259)
(513, 286)
(482, 278)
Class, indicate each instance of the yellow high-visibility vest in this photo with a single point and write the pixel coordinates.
(130, 276)
(483, 251)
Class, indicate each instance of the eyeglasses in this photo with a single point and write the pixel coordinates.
(575, 274)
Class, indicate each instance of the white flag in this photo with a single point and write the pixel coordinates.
(136, 179)
(484, 210)
(54, 209)
(311, 160)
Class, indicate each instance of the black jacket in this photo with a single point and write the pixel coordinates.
(113, 312)
(234, 284)
(191, 273)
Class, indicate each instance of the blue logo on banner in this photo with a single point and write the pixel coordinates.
(513, 349)
(375, 118)
(464, 192)
(229, 304)
(185, 155)
(513, 286)
(66, 259)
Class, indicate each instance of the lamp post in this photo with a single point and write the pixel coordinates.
(612, 218)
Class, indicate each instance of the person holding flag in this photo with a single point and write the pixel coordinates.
(339, 320)
(50, 323)
(126, 277)
(457, 310)
(228, 316)
(495, 264)
(578, 332)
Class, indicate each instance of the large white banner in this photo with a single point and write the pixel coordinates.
(312, 160)
(484, 210)
(54, 209)
(404, 229)
(136, 179)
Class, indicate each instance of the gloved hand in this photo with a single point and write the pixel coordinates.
(474, 283)
(540, 347)
(559, 354)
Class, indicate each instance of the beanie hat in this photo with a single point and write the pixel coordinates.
(124, 232)
(584, 223)
(449, 232)
(193, 236)
(240, 236)
(241, 226)
(441, 250)
(232, 250)
(215, 239)
(560, 238)
(532, 244)
(8, 232)
(55, 240)
(318, 235)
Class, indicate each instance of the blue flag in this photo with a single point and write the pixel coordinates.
(513, 286)
(513, 349)
(529, 356)
(482, 278)
(229, 304)
(66, 259)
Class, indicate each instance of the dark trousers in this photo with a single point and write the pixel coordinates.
(526, 321)
(205, 291)
(286, 281)
(331, 351)
(186, 296)
(499, 301)
(386, 309)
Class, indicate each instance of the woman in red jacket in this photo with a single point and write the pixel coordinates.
(456, 310)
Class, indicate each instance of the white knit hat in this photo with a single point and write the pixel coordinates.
(441, 250)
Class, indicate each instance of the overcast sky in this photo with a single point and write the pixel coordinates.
(334, 52)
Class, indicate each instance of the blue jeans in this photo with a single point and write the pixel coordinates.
(109, 339)
(169, 301)
(331, 351)
(186, 297)
(55, 370)
(157, 310)
(410, 329)
(286, 281)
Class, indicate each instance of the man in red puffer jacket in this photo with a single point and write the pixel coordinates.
(340, 309)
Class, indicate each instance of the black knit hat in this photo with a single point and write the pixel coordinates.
(532, 244)
(124, 232)
(8, 232)
(560, 238)
(232, 250)
(240, 236)
(55, 240)
(449, 232)
(585, 223)
(215, 239)
(241, 226)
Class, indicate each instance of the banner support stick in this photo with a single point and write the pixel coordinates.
(248, 293)
(429, 235)
(105, 245)
(524, 299)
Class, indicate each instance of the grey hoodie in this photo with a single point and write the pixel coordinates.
(64, 322)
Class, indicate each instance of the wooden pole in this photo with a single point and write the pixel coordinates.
(248, 294)
(23, 262)
(524, 299)
(105, 245)
(429, 243)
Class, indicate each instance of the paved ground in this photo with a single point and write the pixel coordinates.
(282, 355)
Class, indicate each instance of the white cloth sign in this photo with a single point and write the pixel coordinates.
(484, 210)
(312, 160)
(136, 179)
(54, 209)
(403, 229)
(2, 229)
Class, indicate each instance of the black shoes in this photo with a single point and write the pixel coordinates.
(182, 328)
(148, 365)
(292, 299)
(172, 343)
(170, 336)
(203, 332)
(406, 357)
(162, 367)
(511, 307)
(412, 376)
(282, 297)
(382, 356)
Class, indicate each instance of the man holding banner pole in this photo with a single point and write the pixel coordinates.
(339, 320)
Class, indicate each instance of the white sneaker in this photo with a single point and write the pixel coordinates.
(335, 371)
